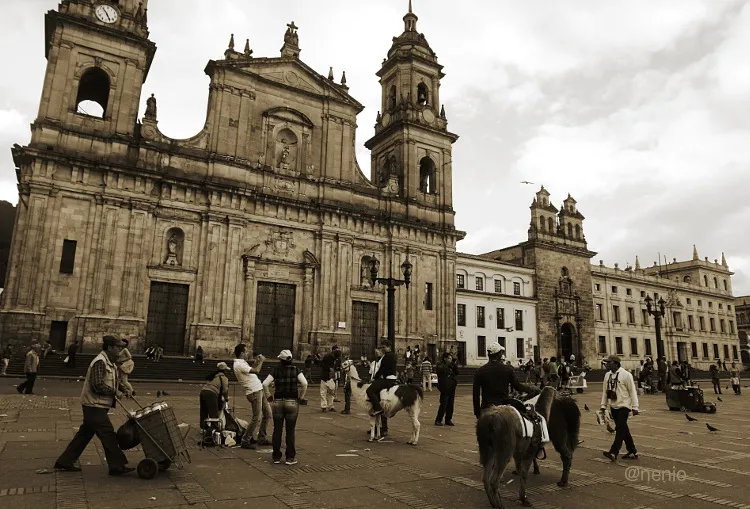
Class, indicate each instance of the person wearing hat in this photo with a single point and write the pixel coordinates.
(493, 380)
(101, 388)
(384, 378)
(620, 392)
(30, 368)
(347, 387)
(290, 387)
(214, 393)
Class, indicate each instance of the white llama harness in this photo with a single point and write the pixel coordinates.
(527, 425)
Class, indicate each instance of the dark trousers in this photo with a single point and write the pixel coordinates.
(27, 387)
(209, 406)
(348, 397)
(717, 385)
(95, 422)
(373, 391)
(71, 361)
(447, 398)
(622, 432)
(284, 411)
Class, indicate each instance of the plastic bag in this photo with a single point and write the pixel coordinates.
(128, 435)
(67, 359)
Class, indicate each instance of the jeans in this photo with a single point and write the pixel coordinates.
(426, 382)
(284, 411)
(373, 391)
(209, 406)
(27, 387)
(622, 432)
(261, 415)
(447, 397)
(95, 422)
(717, 385)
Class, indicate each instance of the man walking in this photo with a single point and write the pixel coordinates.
(101, 387)
(447, 371)
(248, 378)
(619, 391)
(327, 382)
(72, 350)
(30, 367)
(6, 355)
(426, 374)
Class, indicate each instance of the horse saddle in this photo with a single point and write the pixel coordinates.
(533, 424)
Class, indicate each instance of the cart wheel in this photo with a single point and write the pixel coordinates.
(164, 464)
(683, 409)
(579, 391)
(147, 468)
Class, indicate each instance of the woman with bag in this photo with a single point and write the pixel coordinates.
(214, 394)
(734, 374)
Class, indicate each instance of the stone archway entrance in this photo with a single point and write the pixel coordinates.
(567, 340)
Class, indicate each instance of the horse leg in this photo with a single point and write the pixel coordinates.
(566, 461)
(372, 428)
(489, 489)
(523, 468)
(413, 414)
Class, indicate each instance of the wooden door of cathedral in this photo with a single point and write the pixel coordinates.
(167, 316)
(364, 330)
(274, 318)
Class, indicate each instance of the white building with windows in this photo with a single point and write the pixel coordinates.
(495, 301)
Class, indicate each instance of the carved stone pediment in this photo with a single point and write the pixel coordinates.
(280, 242)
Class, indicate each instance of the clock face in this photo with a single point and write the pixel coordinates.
(106, 13)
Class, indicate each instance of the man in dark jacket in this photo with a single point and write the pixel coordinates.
(447, 371)
(384, 378)
(491, 383)
(72, 350)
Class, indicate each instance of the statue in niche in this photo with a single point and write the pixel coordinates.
(174, 247)
(284, 152)
(286, 149)
(364, 276)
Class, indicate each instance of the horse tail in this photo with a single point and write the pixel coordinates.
(496, 438)
(565, 415)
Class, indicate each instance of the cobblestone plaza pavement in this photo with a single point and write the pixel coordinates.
(682, 464)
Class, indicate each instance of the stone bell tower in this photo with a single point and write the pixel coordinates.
(98, 56)
(411, 149)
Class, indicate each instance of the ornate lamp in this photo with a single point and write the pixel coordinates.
(406, 268)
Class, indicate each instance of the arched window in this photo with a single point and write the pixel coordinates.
(550, 225)
(705, 281)
(564, 272)
(427, 176)
(578, 231)
(570, 230)
(93, 93)
(726, 288)
(392, 98)
(716, 283)
(423, 95)
(541, 224)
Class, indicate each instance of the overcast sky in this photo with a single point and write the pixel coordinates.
(639, 109)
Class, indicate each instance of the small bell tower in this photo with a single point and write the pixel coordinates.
(98, 56)
(411, 149)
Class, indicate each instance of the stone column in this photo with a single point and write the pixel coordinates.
(307, 304)
(248, 310)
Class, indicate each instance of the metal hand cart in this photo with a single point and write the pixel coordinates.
(577, 383)
(161, 440)
(688, 398)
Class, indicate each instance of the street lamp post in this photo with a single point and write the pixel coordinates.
(391, 285)
(658, 314)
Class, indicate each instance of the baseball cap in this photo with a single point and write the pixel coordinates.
(285, 354)
(113, 340)
(494, 348)
(222, 366)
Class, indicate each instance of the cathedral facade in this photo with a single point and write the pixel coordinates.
(261, 228)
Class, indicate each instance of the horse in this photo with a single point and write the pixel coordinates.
(500, 436)
(398, 397)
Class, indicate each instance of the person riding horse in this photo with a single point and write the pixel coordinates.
(491, 383)
(384, 378)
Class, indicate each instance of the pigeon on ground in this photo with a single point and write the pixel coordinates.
(711, 428)
(718, 398)
(691, 419)
(164, 393)
(158, 394)
(586, 407)
(726, 388)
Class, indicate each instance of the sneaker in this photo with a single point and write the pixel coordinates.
(438, 423)
(277, 462)
(331, 409)
(292, 461)
(631, 456)
(610, 455)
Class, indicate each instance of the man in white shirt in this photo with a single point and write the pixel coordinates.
(248, 378)
(619, 391)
